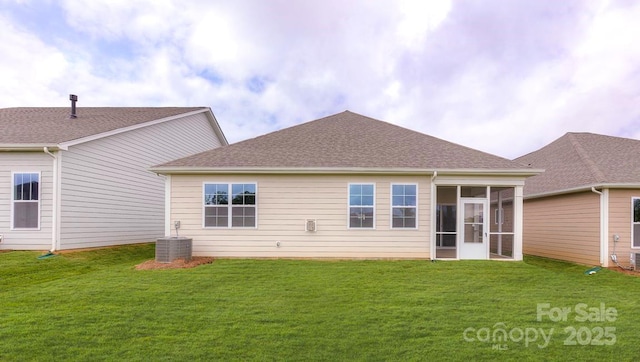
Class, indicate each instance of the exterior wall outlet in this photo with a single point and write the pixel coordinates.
(1, 238)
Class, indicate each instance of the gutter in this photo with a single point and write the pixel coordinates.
(24, 147)
(343, 170)
(583, 189)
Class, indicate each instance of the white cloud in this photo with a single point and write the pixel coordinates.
(30, 70)
(141, 20)
(418, 18)
(502, 77)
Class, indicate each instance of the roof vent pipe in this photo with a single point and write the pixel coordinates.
(73, 98)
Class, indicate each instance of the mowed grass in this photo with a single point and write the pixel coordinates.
(94, 305)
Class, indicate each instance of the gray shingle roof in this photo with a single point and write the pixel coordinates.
(344, 140)
(53, 126)
(583, 160)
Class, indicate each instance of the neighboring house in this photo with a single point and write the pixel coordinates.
(84, 182)
(347, 186)
(587, 198)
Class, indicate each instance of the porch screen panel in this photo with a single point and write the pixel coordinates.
(446, 209)
(501, 214)
(636, 222)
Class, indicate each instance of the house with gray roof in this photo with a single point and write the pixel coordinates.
(79, 178)
(347, 186)
(585, 207)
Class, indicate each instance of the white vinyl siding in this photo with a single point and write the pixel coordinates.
(12, 163)
(565, 227)
(108, 195)
(286, 202)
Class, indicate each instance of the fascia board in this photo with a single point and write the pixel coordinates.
(350, 170)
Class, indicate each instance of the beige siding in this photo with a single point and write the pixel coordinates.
(26, 162)
(285, 201)
(620, 217)
(563, 227)
(109, 197)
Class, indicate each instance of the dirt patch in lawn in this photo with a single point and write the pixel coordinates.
(635, 273)
(176, 264)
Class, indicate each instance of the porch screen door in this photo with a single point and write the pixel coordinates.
(474, 231)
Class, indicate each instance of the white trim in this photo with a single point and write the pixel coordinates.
(131, 128)
(216, 127)
(13, 201)
(344, 170)
(167, 205)
(480, 181)
(432, 211)
(604, 223)
(518, 221)
(229, 206)
(584, 188)
(36, 147)
(604, 228)
(485, 228)
(391, 207)
(375, 214)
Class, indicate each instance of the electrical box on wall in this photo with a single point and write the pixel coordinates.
(311, 225)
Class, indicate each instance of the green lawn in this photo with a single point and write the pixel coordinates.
(94, 305)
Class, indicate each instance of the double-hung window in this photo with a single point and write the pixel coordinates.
(230, 205)
(361, 206)
(404, 206)
(635, 222)
(26, 200)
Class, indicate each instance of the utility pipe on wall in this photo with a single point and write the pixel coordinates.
(54, 201)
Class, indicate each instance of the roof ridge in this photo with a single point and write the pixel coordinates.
(591, 165)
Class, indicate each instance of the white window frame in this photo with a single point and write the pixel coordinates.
(14, 201)
(403, 207)
(230, 205)
(633, 223)
(349, 205)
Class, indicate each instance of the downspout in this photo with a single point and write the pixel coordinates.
(604, 224)
(54, 201)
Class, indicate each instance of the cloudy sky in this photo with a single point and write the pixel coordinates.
(502, 76)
